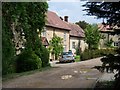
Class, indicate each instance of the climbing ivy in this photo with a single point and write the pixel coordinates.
(24, 18)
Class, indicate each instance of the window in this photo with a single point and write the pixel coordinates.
(44, 32)
(116, 44)
(73, 45)
(64, 36)
(65, 48)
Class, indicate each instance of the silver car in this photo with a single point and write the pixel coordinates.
(67, 57)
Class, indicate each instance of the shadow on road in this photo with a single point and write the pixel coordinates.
(62, 62)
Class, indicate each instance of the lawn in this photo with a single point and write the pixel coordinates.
(77, 58)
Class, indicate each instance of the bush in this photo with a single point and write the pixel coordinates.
(78, 51)
(27, 61)
(44, 55)
(77, 58)
(86, 55)
(89, 54)
(8, 51)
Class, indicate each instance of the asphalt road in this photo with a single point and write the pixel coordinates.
(66, 75)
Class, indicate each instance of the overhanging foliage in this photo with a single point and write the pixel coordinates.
(111, 12)
(107, 10)
(23, 17)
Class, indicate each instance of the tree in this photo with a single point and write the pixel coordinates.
(108, 10)
(56, 46)
(92, 36)
(23, 19)
(82, 24)
(111, 12)
(78, 49)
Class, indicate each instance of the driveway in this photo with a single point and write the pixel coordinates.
(65, 75)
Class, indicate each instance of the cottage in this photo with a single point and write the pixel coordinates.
(72, 34)
(108, 34)
(77, 36)
(54, 25)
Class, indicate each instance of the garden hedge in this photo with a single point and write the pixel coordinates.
(90, 54)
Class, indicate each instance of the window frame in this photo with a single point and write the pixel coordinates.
(73, 45)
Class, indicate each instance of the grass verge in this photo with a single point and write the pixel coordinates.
(15, 75)
(77, 58)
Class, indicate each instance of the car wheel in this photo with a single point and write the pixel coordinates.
(60, 62)
(73, 60)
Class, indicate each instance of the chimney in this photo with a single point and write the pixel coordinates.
(66, 18)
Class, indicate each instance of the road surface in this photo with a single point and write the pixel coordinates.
(65, 75)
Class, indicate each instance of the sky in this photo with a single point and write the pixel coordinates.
(73, 9)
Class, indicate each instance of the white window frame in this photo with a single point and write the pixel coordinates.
(44, 32)
(73, 45)
(64, 36)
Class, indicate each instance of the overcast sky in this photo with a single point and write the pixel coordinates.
(73, 9)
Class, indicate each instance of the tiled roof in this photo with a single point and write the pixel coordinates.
(104, 28)
(109, 29)
(76, 30)
(54, 20)
(44, 41)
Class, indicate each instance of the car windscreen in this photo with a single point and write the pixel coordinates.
(67, 53)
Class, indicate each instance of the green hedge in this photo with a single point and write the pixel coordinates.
(27, 61)
(43, 53)
(8, 49)
(90, 54)
(77, 58)
(45, 57)
(29, 21)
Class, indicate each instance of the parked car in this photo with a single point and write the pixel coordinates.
(67, 57)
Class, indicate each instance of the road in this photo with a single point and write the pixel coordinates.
(66, 75)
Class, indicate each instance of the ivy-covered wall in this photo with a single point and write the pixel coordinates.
(20, 22)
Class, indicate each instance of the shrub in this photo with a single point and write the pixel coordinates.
(44, 55)
(77, 58)
(77, 51)
(8, 50)
(27, 61)
(28, 22)
(89, 54)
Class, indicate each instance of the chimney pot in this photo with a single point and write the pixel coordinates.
(66, 18)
